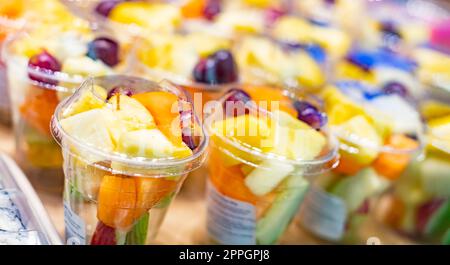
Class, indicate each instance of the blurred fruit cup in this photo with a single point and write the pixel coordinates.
(129, 19)
(8, 25)
(376, 150)
(116, 198)
(261, 162)
(418, 206)
(262, 60)
(40, 73)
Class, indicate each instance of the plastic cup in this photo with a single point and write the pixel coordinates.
(33, 104)
(416, 209)
(239, 212)
(7, 27)
(111, 198)
(339, 202)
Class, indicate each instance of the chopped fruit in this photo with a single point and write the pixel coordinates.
(260, 3)
(433, 109)
(132, 114)
(212, 9)
(293, 29)
(354, 190)
(38, 110)
(309, 114)
(165, 110)
(152, 16)
(280, 213)
(218, 68)
(391, 164)
(271, 99)
(103, 235)
(439, 221)
(206, 44)
(90, 99)
(295, 139)
(92, 127)
(123, 200)
(251, 21)
(105, 7)
(440, 127)
(247, 129)
(150, 144)
(360, 141)
(84, 66)
(267, 176)
(404, 117)
(104, 49)
(193, 8)
(425, 211)
(46, 64)
(395, 88)
(231, 182)
(347, 166)
(187, 129)
(435, 178)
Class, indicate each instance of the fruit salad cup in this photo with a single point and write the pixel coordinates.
(265, 146)
(262, 60)
(10, 22)
(382, 68)
(44, 67)
(417, 208)
(380, 135)
(131, 18)
(208, 66)
(128, 144)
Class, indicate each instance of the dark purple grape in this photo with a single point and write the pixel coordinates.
(395, 88)
(187, 128)
(200, 70)
(218, 68)
(119, 90)
(235, 104)
(212, 9)
(309, 114)
(425, 212)
(238, 95)
(330, 2)
(45, 63)
(105, 7)
(104, 49)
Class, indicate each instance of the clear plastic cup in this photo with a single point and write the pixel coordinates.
(111, 198)
(7, 27)
(417, 208)
(253, 195)
(33, 102)
(339, 202)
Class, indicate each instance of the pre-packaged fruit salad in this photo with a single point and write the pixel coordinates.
(127, 144)
(381, 135)
(265, 145)
(418, 206)
(44, 66)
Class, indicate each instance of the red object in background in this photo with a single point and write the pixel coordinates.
(104, 235)
(440, 34)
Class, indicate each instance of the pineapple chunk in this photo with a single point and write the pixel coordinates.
(360, 139)
(267, 176)
(89, 99)
(150, 144)
(131, 113)
(152, 16)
